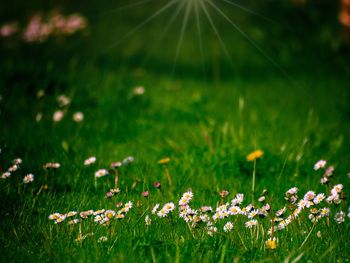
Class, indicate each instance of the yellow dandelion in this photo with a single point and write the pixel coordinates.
(255, 155)
(271, 243)
(164, 160)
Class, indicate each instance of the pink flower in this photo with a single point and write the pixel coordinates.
(8, 30)
(145, 194)
(156, 184)
(224, 193)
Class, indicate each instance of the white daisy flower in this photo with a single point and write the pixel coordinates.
(90, 160)
(71, 213)
(78, 116)
(102, 239)
(54, 216)
(251, 223)
(320, 164)
(339, 217)
(63, 100)
(101, 173)
(28, 178)
(73, 222)
(319, 198)
(234, 210)
(310, 195)
(228, 226)
(292, 191)
(155, 208)
(58, 116)
(148, 220)
(5, 175)
(13, 168)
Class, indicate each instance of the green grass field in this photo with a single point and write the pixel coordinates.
(206, 111)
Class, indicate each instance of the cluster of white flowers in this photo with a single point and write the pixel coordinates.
(13, 168)
(335, 196)
(166, 209)
(186, 198)
(224, 214)
(101, 216)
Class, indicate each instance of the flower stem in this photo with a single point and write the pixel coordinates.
(253, 181)
(307, 237)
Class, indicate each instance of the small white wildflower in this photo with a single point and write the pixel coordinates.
(139, 90)
(310, 195)
(128, 206)
(324, 211)
(253, 213)
(169, 207)
(329, 171)
(38, 116)
(101, 173)
(205, 209)
(17, 161)
(251, 223)
(281, 212)
(148, 220)
(320, 164)
(238, 199)
(13, 168)
(292, 191)
(234, 210)
(109, 214)
(212, 230)
(128, 160)
(155, 208)
(162, 213)
(319, 198)
(78, 116)
(228, 227)
(86, 214)
(90, 160)
(54, 216)
(98, 218)
(338, 188)
(73, 222)
(60, 219)
(301, 204)
(324, 180)
(28, 178)
(339, 217)
(63, 100)
(58, 116)
(5, 175)
(102, 239)
(319, 235)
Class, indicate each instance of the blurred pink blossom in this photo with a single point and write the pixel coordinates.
(8, 29)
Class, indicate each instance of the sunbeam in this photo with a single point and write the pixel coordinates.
(248, 10)
(182, 33)
(200, 40)
(142, 24)
(165, 30)
(251, 41)
(222, 43)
